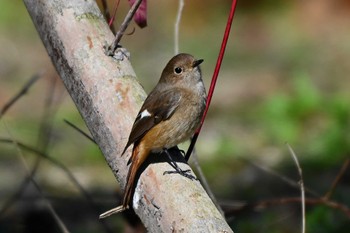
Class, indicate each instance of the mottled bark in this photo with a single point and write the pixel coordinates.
(108, 96)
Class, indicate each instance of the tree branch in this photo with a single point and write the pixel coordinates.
(108, 97)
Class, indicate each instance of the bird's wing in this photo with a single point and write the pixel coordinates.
(159, 106)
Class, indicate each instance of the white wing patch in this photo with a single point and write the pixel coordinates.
(145, 113)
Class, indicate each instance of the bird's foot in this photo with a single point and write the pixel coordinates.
(178, 170)
(182, 172)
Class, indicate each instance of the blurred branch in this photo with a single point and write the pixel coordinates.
(45, 129)
(59, 165)
(341, 172)
(106, 13)
(41, 138)
(301, 183)
(234, 209)
(177, 25)
(229, 210)
(42, 143)
(111, 20)
(108, 97)
(204, 180)
(80, 131)
(52, 211)
(284, 178)
(50, 109)
(21, 93)
(55, 163)
(309, 201)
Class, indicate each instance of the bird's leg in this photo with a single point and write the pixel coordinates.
(177, 168)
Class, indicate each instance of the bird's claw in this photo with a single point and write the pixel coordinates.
(182, 172)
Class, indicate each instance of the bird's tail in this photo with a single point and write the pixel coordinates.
(137, 158)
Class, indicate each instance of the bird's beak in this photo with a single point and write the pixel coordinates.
(197, 63)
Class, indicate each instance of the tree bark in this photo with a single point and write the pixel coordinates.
(108, 96)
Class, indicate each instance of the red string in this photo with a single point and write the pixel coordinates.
(114, 13)
(215, 76)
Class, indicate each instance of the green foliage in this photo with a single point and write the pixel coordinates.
(319, 123)
(14, 17)
(321, 220)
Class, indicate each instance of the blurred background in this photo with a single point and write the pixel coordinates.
(285, 78)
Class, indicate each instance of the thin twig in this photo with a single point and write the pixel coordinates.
(50, 110)
(345, 166)
(64, 169)
(42, 142)
(205, 182)
(105, 9)
(111, 49)
(301, 186)
(27, 180)
(41, 138)
(111, 20)
(58, 220)
(22, 92)
(107, 14)
(177, 25)
(309, 201)
(24, 184)
(229, 211)
(80, 131)
(50, 159)
(215, 76)
(284, 178)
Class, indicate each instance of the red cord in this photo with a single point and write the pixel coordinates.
(215, 76)
(114, 13)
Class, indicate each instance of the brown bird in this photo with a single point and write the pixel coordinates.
(170, 115)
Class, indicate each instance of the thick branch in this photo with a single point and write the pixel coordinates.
(108, 97)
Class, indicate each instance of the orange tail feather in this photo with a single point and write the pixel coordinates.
(139, 154)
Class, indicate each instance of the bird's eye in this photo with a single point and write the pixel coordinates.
(178, 70)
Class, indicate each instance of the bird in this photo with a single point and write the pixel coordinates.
(170, 115)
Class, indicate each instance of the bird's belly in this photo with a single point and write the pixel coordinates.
(175, 130)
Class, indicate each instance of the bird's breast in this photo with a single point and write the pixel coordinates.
(181, 125)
